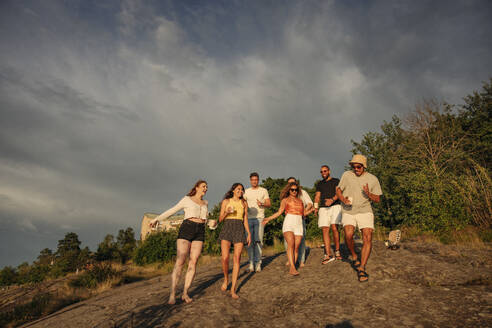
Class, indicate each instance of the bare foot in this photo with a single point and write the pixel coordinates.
(234, 296)
(172, 300)
(187, 299)
(224, 286)
(302, 265)
(287, 263)
(293, 271)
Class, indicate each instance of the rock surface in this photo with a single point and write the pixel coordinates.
(419, 285)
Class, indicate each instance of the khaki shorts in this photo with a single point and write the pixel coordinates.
(361, 220)
(329, 215)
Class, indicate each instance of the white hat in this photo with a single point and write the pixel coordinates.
(360, 159)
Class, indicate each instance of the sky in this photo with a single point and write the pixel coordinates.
(110, 109)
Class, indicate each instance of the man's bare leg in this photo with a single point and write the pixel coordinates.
(366, 249)
(326, 240)
(349, 240)
(336, 238)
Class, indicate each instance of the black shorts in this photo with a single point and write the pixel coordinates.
(191, 231)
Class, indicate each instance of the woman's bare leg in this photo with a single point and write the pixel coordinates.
(289, 237)
(225, 247)
(238, 248)
(183, 249)
(195, 251)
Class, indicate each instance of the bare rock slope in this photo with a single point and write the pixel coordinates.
(420, 285)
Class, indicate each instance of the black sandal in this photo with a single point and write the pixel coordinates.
(356, 263)
(362, 274)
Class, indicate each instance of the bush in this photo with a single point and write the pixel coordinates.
(97, 274)
(158, 247)
(8, 276)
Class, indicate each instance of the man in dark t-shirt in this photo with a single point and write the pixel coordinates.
(327, 207)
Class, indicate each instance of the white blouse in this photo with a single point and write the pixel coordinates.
(191, 210)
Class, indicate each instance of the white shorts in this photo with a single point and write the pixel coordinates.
(329, 215)
(362, 220)
(293, 223)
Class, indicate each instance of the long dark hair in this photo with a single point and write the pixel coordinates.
(285, 192)
(193, 190)
(230, 193)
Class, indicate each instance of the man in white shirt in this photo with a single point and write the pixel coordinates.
(308, 207)
(258, 199)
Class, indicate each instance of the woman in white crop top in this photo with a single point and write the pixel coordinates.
(190, 237)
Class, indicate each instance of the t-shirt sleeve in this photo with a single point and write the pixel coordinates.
(342, 184)
(376, 187)
(265, 193)
(306, 198)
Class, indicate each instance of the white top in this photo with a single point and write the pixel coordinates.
(191, 210)
(306, 200)
(251, 196)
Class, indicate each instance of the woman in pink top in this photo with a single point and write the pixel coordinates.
(292, 227)
(190, 237)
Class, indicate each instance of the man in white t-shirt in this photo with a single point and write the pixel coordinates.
(258, 199)
(308, 208)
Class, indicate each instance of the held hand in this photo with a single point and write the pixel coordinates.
(152, 224)
(230, 209)
(329, 201)
(316, 211)
(366, 189)
(264, 222)
(259, 203)
(249, 239)
(347, 200)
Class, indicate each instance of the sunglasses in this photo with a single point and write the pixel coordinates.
(294, 189)
(324, 171)
(358, 167)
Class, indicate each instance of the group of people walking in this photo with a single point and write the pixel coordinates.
(337, 202)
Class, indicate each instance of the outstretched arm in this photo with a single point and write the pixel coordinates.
(277, 214)
(178, 207)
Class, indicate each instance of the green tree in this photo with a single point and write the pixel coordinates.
(125, 243)
(45, 257)
(107, 249)
(67, 254)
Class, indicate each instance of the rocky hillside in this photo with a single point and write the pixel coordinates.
(420, 285)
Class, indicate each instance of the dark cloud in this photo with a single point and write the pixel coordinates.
(109, 110)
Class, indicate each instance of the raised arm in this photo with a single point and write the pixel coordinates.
(277, 214)
(223, 210)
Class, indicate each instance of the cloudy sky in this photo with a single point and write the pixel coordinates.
(109, 109)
